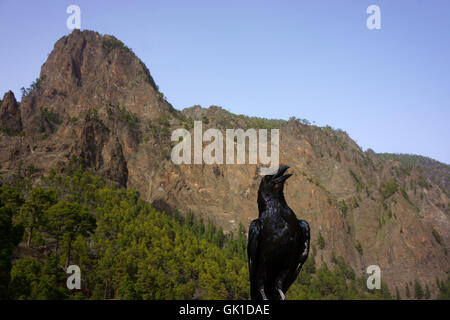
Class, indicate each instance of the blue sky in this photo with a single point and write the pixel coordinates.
(388, 88)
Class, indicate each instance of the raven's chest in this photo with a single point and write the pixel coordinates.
(279, 235)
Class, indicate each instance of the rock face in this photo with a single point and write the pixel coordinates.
(10, 121)
(97, 101)
(85, 71)
(92, 97)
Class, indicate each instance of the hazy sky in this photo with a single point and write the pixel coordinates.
(388, 88)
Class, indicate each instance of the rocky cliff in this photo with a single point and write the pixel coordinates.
(96, 101)
(10, 119)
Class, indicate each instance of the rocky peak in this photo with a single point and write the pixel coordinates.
(88, 71)
(10, 121)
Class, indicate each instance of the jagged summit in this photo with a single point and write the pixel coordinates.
(10, 121)
(86, 56)
(88, 71)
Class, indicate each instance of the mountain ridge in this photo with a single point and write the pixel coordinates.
(438, 172)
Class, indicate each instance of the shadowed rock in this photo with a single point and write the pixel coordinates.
(10, 120)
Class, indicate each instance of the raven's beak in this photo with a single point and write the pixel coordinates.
(279, 177)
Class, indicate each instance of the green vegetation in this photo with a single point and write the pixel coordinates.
(385, 215)
(358, 247)
(163, 128)
(31, 214)
(163, 121)
(338, 136)
(359, 185)
(321, 241)
(66, 221)
(226, 119)
(305, 122)
(436, 235)
(187, 122)
(130, 118)
(423, 183)
(31, 279)
(10, 235)
(343, 207)
(338, 282)
(444, 289)
(36, 84)
(404, 194)
(260, 123)
(91, 114)
(427, 294)
(328, 130)
(49, 120)
(8, 132)
(128, 250)
(50, 116)
(330, 197)
(437, 172)
(388, 188)
(125, 248)
(109, 44)
(145, 72)
(355, 203)
(418, 291)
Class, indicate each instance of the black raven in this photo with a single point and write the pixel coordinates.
(278, 243)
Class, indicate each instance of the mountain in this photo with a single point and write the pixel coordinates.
(437, 172)
(96, 102)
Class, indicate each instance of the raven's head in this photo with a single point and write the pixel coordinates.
(271, 186)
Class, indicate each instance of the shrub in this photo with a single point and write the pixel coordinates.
(388, 188)
(436, 235)
(109, 44)
(321, 241)
(358, 183)
(50, 116)
(358, 247)
(404, 194)
(343, 207)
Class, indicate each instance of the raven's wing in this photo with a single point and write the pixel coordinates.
(303, 241)
(252, 253)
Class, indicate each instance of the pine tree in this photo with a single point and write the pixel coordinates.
(418, 291)
(69, 220)
(397, 294)
(31, 214)
(10, 236)
(407, 292)
(427, 292)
